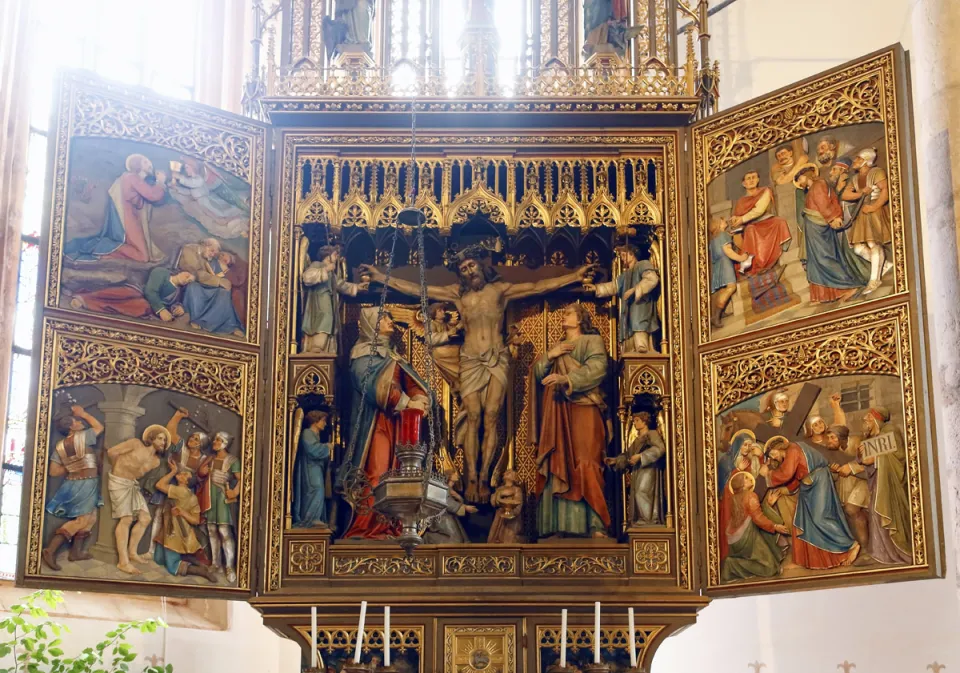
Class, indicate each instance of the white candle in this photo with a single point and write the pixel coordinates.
(563, 638)
(596, 632)
(313, 637)
(386, 635)
(363, 618)
(633, 642)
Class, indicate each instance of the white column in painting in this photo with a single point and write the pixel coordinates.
(121, 411)
(935, 66)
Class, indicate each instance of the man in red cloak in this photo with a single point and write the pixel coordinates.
(765, 236)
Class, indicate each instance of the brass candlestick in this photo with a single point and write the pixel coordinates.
(596, 668)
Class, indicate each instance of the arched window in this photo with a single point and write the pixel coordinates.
(134, 43)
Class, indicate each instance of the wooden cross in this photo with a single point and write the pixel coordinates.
(756, 666)
(846, 666)
(935, 667)
(792, 425)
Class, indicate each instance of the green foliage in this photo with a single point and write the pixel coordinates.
(35, 646)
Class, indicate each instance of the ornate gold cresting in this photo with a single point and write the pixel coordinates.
(524, 198)
(551, 60)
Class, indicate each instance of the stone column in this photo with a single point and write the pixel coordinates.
(121, 411)
(935, 68)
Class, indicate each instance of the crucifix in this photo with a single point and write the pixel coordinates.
(846, 666)
(936, 667)
(756, 666)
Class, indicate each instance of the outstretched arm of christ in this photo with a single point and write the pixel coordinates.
(546, 285)
(435, 292)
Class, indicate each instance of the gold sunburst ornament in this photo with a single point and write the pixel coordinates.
(480, 655)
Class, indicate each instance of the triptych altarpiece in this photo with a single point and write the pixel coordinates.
(782, 362)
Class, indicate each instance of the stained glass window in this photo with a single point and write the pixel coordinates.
(132, 43)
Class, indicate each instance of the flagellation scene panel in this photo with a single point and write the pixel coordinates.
(507, 353)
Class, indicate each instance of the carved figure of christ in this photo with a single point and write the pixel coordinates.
(481, 298)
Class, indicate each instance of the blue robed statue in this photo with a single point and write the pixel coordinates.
(310, 473)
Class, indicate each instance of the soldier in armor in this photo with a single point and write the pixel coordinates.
(78, 497)
(223, 470)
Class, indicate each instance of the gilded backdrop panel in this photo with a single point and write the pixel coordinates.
(157, 215)
(815, 464)
(136, 438)
(355, 195)
(799, 203)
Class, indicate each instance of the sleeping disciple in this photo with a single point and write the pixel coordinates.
(573, 433)
(208, 301)
(160, 297)
(383, 384)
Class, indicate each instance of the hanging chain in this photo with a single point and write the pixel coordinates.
(352, 478)
(432, 416)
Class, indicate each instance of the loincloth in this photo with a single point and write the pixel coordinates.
(477, 370)
(126, 498)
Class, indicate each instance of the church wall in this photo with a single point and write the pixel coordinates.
(764, 45)
(209, 636)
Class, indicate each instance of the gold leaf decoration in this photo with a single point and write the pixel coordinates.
(575, 564)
